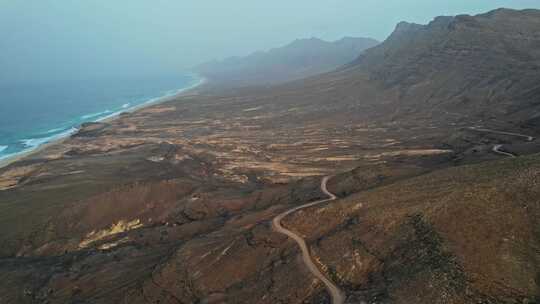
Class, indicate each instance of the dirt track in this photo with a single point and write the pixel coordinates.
(338, 296)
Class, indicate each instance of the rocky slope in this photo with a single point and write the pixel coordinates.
(299, 59)
(462, 235)
(485, 66)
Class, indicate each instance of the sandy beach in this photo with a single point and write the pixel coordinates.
(20, 156)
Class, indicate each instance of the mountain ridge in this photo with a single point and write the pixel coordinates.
(299, 59)
(460, 63)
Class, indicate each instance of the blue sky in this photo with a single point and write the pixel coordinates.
(64, 39)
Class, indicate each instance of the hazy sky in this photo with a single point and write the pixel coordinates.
(65, 39)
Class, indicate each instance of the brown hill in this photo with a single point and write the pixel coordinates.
(462, 235)
(483, 66)
(299, 59)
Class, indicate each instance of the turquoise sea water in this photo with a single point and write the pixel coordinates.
(38, 113)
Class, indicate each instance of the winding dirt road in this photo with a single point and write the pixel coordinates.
(527, 137)
(497, 148)
(338, 296)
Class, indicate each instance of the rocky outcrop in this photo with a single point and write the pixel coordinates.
(90, 129)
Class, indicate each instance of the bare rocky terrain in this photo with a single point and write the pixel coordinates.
(174, 203)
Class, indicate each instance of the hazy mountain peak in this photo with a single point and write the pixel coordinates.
(404, 26)
(302, 42)
(299, 59)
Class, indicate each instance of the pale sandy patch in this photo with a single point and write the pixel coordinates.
(341, 158)
(113, 244)
(417, 152)
(11, 177)
(121, 226)
(319, 149)
(154, 110)
(252, 109)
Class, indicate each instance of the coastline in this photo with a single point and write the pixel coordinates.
(152, 102)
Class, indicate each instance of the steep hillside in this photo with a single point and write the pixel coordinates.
(482, 66)
(469, 234)
(299, 59)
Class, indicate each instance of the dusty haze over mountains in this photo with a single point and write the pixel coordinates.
(409, 174)
(58, 40)
(298, 59)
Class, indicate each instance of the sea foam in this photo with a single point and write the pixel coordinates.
(32, 143)
(94, 115)
(54, 130)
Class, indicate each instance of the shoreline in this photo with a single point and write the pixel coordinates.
(152, 102)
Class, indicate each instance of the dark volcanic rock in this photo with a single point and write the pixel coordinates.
(91, 129)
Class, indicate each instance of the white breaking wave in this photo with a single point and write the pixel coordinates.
(170, 94)
(113, 114)
(32, 143)
(150, 101)
(54, 130)
(93, 115)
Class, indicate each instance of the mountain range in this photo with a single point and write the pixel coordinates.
(299, 59)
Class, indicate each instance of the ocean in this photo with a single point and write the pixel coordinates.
(34, 114)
